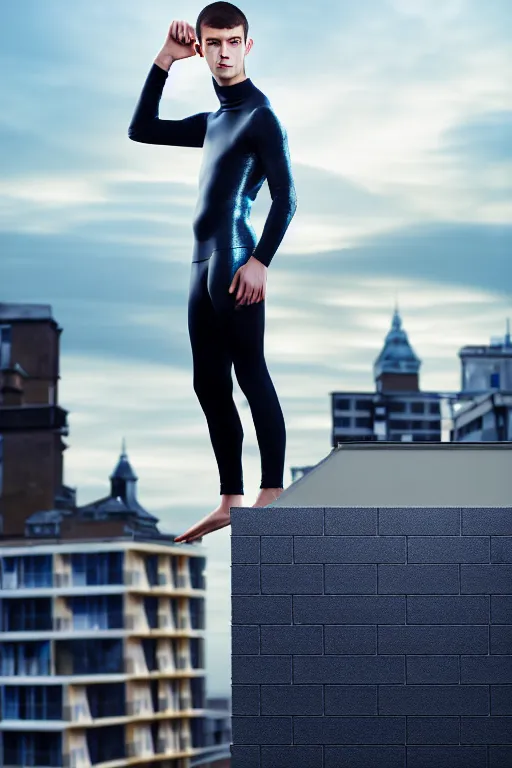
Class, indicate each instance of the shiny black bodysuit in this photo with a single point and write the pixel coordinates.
(243, 143)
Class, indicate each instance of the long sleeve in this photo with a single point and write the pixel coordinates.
(271, 144)
(148, 128)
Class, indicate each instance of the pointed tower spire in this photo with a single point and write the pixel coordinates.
(396, 323)
(397, 366)
(123, 479)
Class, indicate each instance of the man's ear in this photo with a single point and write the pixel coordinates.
(249, 44)
(199, 50)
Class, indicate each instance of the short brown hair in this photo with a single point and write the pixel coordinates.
(221, 16)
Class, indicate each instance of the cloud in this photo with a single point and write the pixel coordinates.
(485, 139)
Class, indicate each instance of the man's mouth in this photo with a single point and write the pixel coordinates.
(224, 65)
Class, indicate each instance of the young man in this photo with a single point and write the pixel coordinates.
(243, 143)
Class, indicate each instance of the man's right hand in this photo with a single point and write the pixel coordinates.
(179, 44)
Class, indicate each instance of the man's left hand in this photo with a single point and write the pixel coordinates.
(251, 278)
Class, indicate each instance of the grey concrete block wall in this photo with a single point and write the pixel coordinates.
(371, 637)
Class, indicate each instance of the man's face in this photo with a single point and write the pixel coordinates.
(225, 51)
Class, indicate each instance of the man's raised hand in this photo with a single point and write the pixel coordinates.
(180, 42)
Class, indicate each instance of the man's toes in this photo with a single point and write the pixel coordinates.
(191, 532)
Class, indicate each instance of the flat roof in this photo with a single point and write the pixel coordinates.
(25, 312)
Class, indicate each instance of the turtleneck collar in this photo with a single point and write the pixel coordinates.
(233, 95)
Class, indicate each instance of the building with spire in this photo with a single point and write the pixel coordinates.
(397, 410)
(102, 615)
(397, 366)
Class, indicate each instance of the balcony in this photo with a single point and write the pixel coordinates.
(63, 579)
(139, 707)
(78, 712)
(165, 621)
(31, 417)
(183, 581)
(136, 579)
(78, 758)
(63, 623)
(184, 620)
(140, 748)
(136, 622)
(183, 661)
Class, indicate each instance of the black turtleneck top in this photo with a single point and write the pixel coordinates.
(243, 143)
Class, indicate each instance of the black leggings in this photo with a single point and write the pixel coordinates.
(222, 336)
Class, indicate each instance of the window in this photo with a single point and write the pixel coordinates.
(37, 571)
(33, 702)
(5, 346)
(151, 609)
(27, 615)
(106, 744)
(97, 568)
(417, 407)
(197, 572)
(396, 408)
(197, 614)
(89, 657)
(363, 405)
(342, 421)
(363, 422)
(196, 652)
(434, 408)
(25, 659)
(399, 424)
(29, 749)
(151, 563)
(27, 571)
(107, 700)
(46, 530)
(343, 403)
(97, 612)
(1, 463)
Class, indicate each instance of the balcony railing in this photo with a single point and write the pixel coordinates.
(136, 748)
(165, 621)
(137, 622)
(63, 580)
(139, 707)
(63, 623)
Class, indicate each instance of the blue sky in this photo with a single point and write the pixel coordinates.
(399, 117)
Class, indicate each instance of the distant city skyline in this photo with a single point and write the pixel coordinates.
(398, 114)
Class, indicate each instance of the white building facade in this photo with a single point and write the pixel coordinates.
(101, 654)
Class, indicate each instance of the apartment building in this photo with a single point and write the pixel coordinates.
(101, 654)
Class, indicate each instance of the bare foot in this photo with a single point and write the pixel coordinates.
(219, 518)
(267, 496)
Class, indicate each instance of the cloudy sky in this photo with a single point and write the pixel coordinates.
(399, 117)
